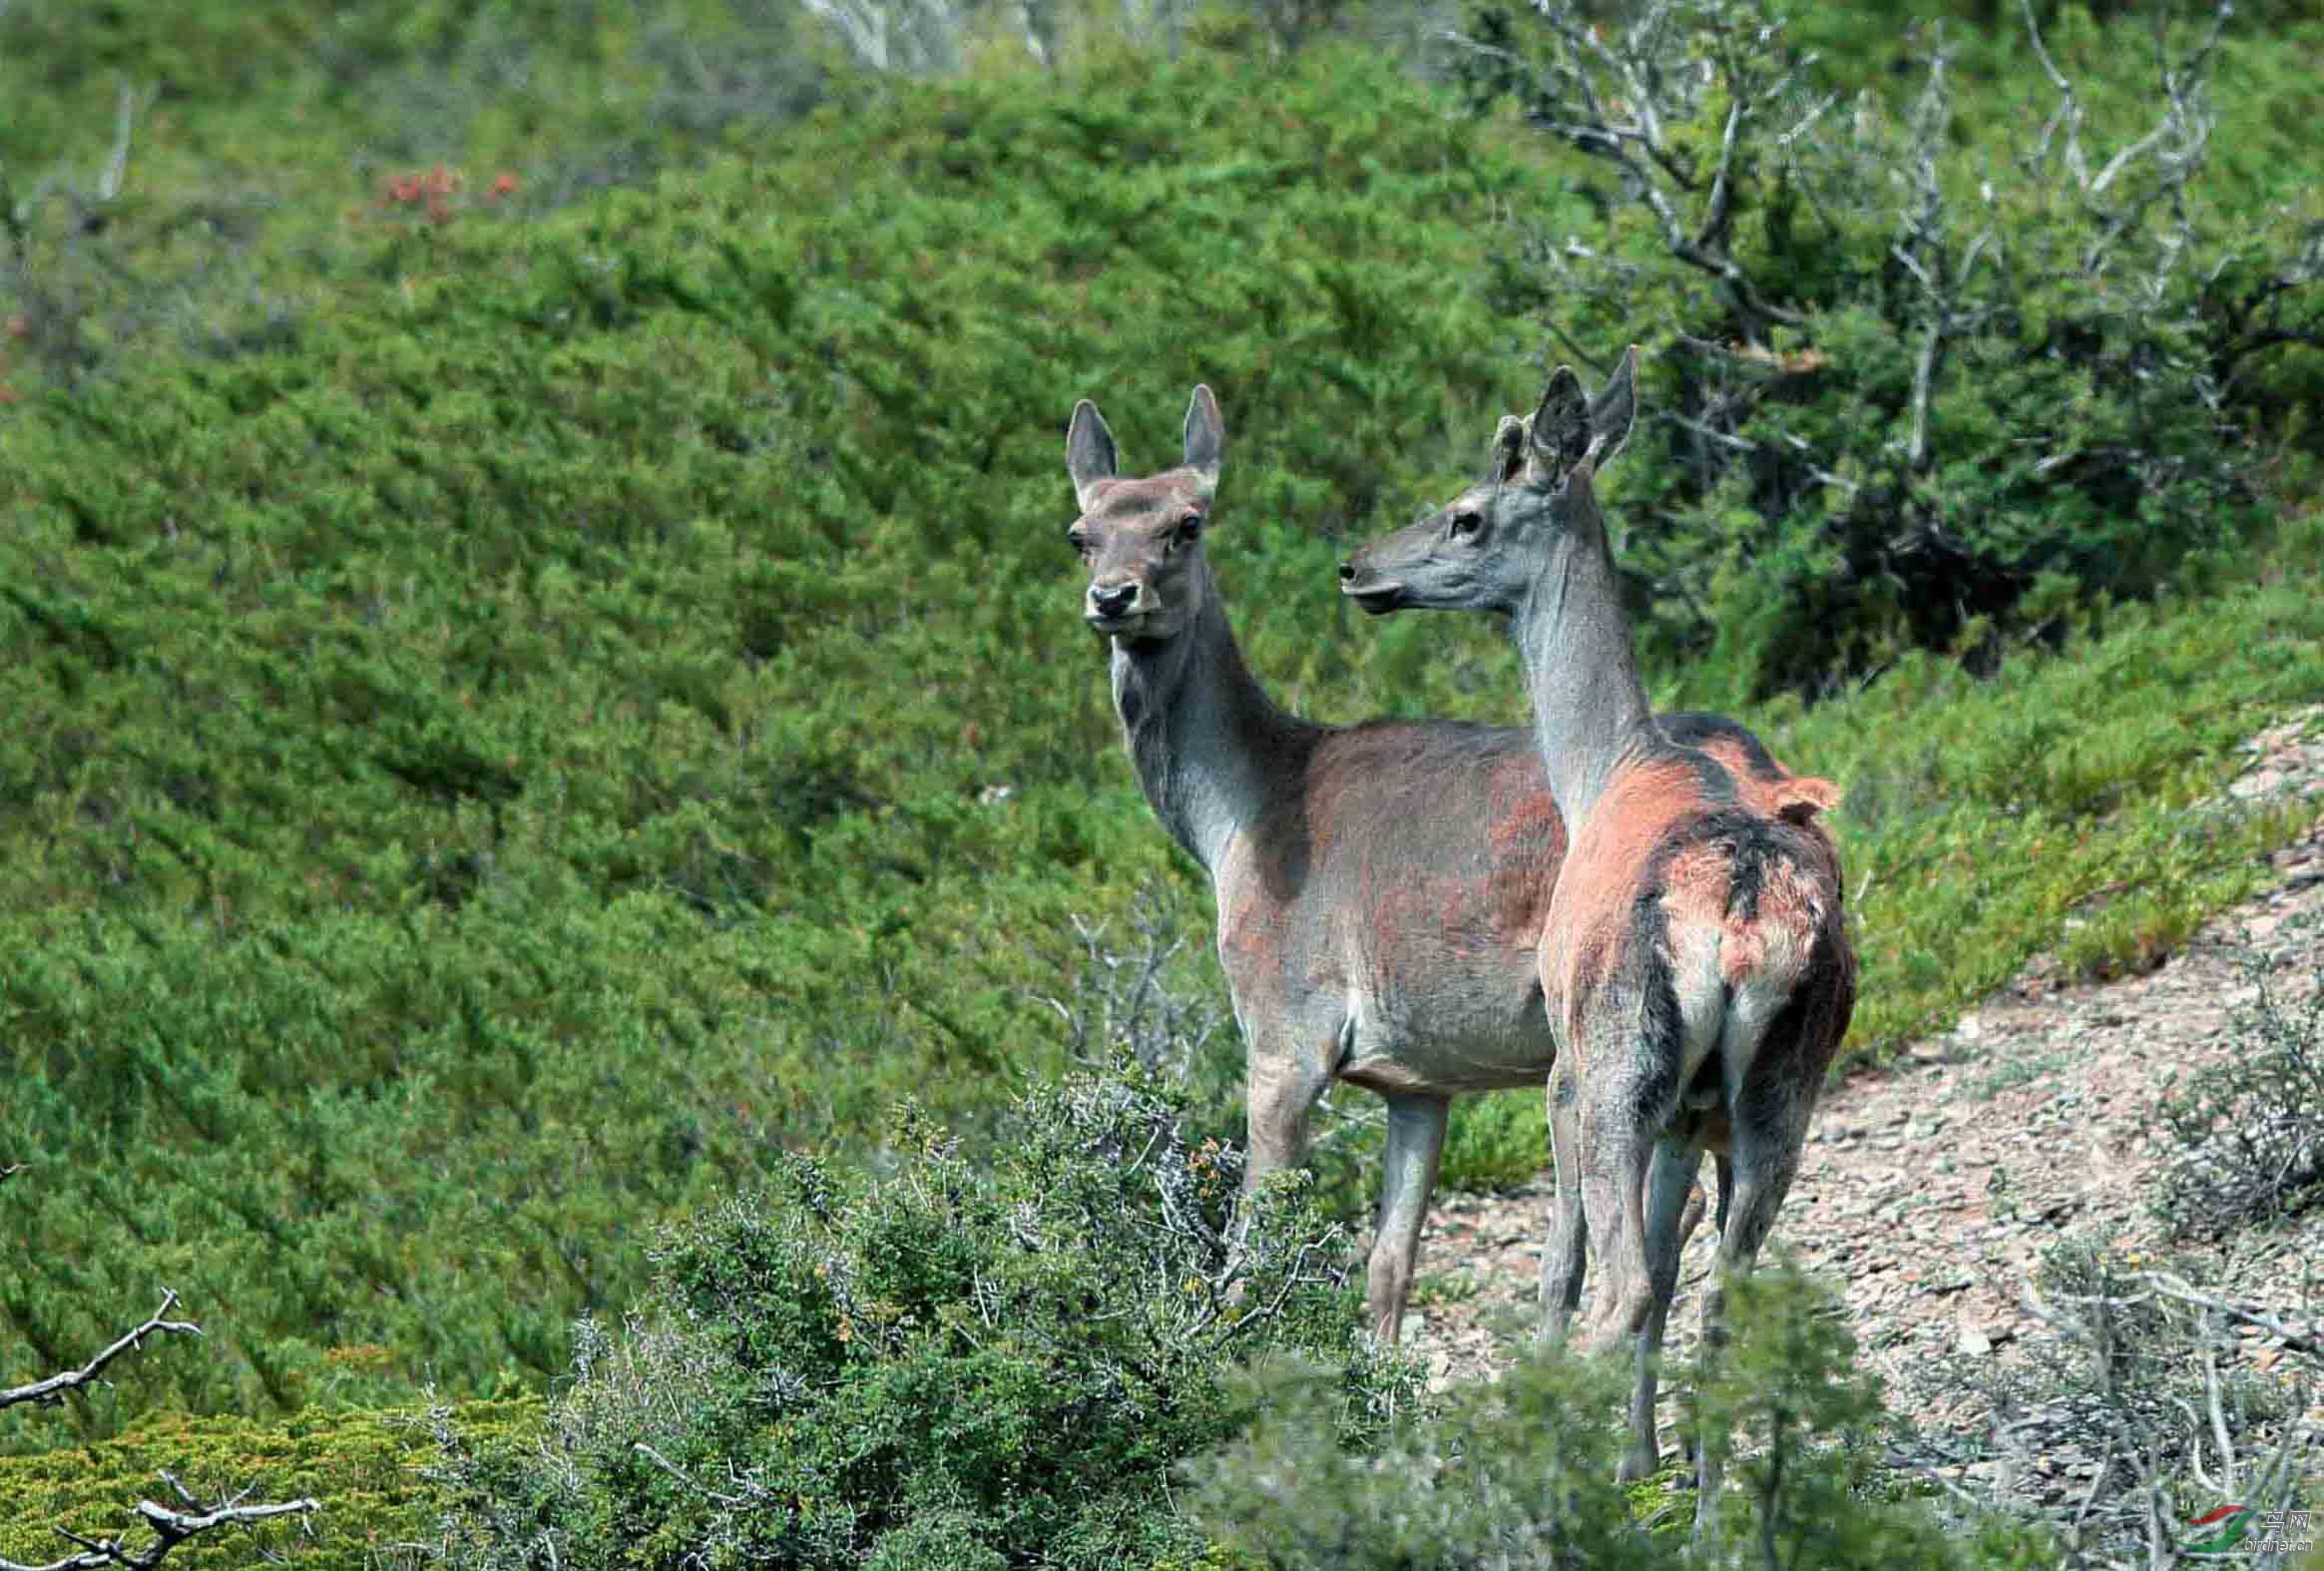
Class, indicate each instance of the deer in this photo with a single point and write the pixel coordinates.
(1694, 959)
(1382, 888)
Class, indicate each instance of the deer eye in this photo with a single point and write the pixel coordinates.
(1464, 525)
(1080, 542)
(1189, 529)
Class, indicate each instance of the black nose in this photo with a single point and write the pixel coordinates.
(1347, 570)
(1113, 599)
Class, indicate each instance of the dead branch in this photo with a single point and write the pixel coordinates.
(171, 1526)
(1611, 92)
(2308, 1340)
(57, 1386)
(754, 1493)
(115, 170)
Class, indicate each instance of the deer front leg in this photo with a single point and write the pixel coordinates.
(1688, 1439)
(1280, 1094)
(1770, 1127)
(1416, 1141)
(1565, 1252)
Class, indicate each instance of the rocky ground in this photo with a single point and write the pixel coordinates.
(1929, 1189)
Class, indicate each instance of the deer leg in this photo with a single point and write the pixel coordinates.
(1416, 1140)
(1621, 1113)
(1770, 1127)
(1281, 1094)
(1669, 1192)
(1565, 1257)
(1726, 1188)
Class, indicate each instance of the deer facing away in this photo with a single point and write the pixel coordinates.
(1695, 954)
(1382, 888)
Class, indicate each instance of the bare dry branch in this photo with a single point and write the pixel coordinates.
(57, 1386)
(2308, 1340)
(1611, 92)
(170, 1527)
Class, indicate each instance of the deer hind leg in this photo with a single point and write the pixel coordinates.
(1771, 1129)
(1669, 1192)
(1566, 1253)
(1416, 1140)
(1725, 1168)
(1628, 1093)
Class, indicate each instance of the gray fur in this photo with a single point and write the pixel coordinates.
(1315, 839)
(1089, 449)
(1537, 555)
(1206, 434)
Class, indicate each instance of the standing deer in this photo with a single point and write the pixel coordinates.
(1382, 888)
(1695, 957)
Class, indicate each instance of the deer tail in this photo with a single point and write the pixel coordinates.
(1800, 799)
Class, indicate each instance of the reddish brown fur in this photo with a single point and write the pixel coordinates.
(1645, 806)
(1409, 905)
(1528, 845)
(1605, 873)
(1796, 799)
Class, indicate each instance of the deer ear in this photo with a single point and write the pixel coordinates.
(1613, 410)
(1089, 450)
(1561, 429)
(1508, 448)
(1206, 434)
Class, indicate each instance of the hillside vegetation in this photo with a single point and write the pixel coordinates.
(545, 674)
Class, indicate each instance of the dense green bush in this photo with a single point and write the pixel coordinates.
(588, 695)
(501, 763)
(970, 1362)
(1518, 1472)
(1903, 392)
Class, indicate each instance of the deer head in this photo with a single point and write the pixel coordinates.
(1142, 539)
(1484, 550)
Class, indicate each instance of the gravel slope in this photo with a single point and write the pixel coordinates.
(1931, 1188)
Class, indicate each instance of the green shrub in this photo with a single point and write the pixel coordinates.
(1903, 393)
(970, 1360)
(377, 1511)
(595, 700)
(1520, 1471)
(496, 766)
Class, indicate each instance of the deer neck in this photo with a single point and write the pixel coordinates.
(1589, 708)
(1208, 745)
